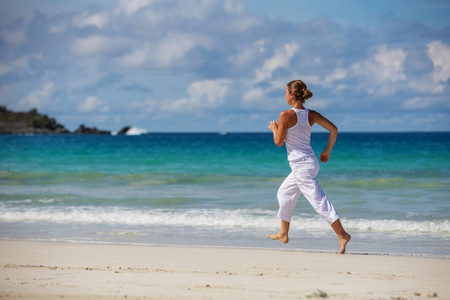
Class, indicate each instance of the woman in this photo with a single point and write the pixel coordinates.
(294, 128)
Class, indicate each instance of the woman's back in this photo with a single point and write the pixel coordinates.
(298, 137)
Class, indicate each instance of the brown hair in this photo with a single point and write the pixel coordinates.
(299, 89)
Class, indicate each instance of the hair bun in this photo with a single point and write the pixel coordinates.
(307, 94)
(299, 89)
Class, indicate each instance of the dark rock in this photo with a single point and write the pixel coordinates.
(91, 130)
(124, 130)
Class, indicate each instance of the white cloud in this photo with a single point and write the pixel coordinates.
(250, 53)
(306, 78)
(385, 66)
(436, 81)
(253, 95)
(234, 7)
(195, 9)
(202, 95)
(337, 74)
(19, 64)
(426, 85)
(136, 58)
(129, 7)
(13, 36)
(39, 98)
(341, 87)
(439, 53)
(92, 103)
(314, 103)
(168, 52)
(242, 24)
(89, 45)
(59, 28)
(175, 46)
(390, 64)
(97, 44)
(208, 93)
(99, 20)
(417, 103)
(281, 59)
(382, 74)
(147, 106)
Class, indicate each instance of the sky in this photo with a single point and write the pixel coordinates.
(218, 65)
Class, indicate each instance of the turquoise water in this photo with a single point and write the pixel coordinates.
(391, 190)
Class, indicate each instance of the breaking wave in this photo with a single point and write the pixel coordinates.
(219, 218)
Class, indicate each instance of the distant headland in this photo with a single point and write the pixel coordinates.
(32, 122)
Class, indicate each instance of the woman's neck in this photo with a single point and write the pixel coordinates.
(298, 105)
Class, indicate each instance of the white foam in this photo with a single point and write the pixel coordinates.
(46, 200)
(136, 131)
(241, 218)
(19, 201)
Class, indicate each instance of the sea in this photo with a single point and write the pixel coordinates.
(392, 191)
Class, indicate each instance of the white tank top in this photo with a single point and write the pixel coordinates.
(298, 137)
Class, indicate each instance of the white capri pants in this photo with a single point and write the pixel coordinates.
(302, 180)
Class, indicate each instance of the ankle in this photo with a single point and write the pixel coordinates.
(342, 235)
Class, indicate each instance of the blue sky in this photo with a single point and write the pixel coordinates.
(198, 65)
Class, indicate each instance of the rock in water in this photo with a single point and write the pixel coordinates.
(87, 130)
(124, 130)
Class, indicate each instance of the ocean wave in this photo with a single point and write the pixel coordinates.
(386, 182)
(127, 179)
(196, 177)
(220, 218)
(136, 131)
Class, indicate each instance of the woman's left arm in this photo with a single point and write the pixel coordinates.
(328, 125)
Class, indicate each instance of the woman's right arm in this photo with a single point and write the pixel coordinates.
(279, 129)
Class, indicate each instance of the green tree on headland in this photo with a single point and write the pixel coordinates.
(28, 122)
(35, 123)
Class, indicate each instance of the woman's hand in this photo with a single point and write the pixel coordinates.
(273, 126)
(324, 156)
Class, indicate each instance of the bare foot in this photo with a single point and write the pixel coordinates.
(343, 242)
(280, 236)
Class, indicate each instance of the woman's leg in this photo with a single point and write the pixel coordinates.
(312, 191)
(343, 236)
(316, 196)
(287, 195)
(283, 234)
(310, 188)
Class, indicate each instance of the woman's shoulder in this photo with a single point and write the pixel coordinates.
(287, 113)
(289, 116)
(313, 113)
(313, 116)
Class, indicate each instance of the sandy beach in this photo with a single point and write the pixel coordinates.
(47, 270)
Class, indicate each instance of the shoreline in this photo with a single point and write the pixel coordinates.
(299, 250)
(49, 270)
